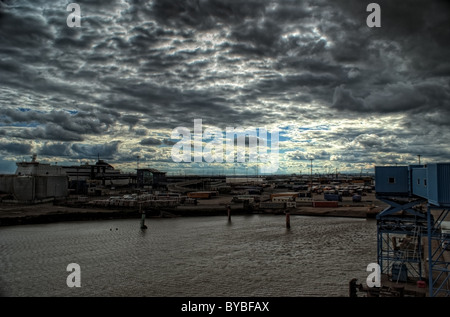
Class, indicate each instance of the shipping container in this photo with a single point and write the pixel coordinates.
(300, 187)
(392, 181)
(332, 197)
(321, 204)
(243, 198)
(282, 199)
(289, 194)
(254, 191)
(271, 205)
(302, 199)
(200, 195)
(438, 184)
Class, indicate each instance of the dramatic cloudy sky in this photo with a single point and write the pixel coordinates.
(346, 95)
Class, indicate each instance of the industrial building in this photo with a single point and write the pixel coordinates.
(150, 177)
(412, 235)
(34, 182)
(91, 179)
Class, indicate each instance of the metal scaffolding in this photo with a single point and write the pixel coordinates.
(438, 252)
(399, 240)
(419, 200)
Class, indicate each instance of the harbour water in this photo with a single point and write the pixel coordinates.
(250, 256)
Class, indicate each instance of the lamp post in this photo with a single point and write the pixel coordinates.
(311, 175)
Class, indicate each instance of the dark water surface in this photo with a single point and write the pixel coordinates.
(199, 256)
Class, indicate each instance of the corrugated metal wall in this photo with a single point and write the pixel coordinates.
(392, 180)
(29, 188)
(439, 184)
(7, 183)
(23, 188)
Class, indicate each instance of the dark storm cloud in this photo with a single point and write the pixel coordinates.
(169, 142)
(343, 99)
(30, 29)
(140, 132)
(92, 150)
(55, 149)
(97, 6)
(150, 142)
(399, 97)
(409, 23)
(207, 14)
(15, 148)
(130, 120)
(260, 39)
(72, 125)
(302, 156)
(50, 132)
(245, 28)
(360, 144)
(413, 33)
(157, 65)
(164, 104)
(296, 82)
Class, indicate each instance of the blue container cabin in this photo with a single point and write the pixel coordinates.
(431, 182)
(392, 180)
(332, 197)
(438, 183)
(419, 182)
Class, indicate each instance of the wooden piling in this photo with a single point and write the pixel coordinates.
(229, 213)
(288, 220)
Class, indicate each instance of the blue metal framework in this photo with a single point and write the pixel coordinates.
(399, 237)
(438, 254)
(402, 220)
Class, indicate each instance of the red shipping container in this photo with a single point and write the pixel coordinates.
(330, 204)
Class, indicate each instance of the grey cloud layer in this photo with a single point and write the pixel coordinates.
(149, 65)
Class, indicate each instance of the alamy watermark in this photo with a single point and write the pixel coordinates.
(374, 18)
(74, 278)
(74, 18)
(235, 144)
(374, 278)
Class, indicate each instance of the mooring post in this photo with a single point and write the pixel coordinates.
(352, 288)
(143, 226)
(288, 220)
(229, 212)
